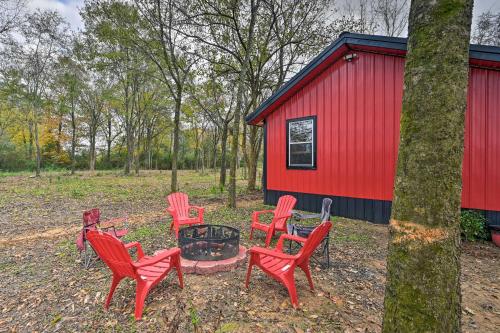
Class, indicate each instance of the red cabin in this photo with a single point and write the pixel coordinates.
(333, 130)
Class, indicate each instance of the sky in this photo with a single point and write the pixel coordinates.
(69, 8)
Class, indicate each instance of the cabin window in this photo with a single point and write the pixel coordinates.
(301, 143)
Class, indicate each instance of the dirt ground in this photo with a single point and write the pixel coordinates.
(45, 289)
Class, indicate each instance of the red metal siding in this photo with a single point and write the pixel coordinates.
(358, 105)
(481, 166)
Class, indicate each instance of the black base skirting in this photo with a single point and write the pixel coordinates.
(492, 217)
(377, 211)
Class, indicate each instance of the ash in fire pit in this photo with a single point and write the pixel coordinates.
(209, 242)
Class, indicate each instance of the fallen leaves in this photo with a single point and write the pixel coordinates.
(46, 289)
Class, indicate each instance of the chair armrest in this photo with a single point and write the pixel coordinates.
(283, 216)
(106, 229)
(281, 240)
(159, 257)
(301, 216)
(272, 253)
(255, 215)
(201, 211)
(137, 245)
(171, 211)
(112, 222)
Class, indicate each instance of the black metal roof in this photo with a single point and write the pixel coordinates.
(480, 52)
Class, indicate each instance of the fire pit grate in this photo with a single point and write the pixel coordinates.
(209, 242)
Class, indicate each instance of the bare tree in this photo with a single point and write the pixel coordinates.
(392, 16)
(11, 15)
(487, 29)
(362, 12)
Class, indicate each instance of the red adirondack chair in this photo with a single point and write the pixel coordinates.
(92, 221)
(179, 210)
(147, 271)
(282, 213)
(281, 266)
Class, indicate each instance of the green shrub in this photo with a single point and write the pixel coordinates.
(473, 225)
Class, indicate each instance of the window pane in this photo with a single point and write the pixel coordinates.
(301, 154)
(301, 131)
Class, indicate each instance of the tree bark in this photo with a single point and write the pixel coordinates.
(223, 167)
(175, 153)
(73, 138)
(239, 105)
(423, 268)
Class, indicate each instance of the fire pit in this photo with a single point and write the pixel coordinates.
(209, 248)
(209, 242)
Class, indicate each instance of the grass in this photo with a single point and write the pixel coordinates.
(113, 185)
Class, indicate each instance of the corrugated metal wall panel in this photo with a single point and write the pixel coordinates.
(358, 107)
(349, 100)
(481, 165)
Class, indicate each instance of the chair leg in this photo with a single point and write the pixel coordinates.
(307, 271)
(292, 291)
(88, 254)
(179, 272)
(269, 237)
(114, 284)
(171, 226)
(141, 292)
(249, 271)
(251, 233)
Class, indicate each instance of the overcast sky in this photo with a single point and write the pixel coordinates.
(69, 8)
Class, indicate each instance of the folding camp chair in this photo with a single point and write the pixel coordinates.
(92, 221)
(305, 231)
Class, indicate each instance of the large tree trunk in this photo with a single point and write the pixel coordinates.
(222, 179)
(239, 107)
(423, 267)
(175, 152)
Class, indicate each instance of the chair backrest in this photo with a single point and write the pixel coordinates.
(313, 241)
(325, 209)
(91, 218)
(284, 207)
(180, 203)
(112, 251)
